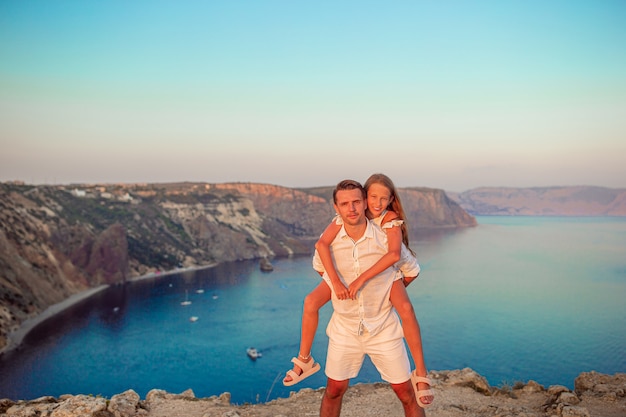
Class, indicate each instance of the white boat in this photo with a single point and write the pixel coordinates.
(253, 353)
(193, 318)
(186, 302)
(200, 291)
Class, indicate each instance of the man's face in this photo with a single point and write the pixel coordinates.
(350, 206)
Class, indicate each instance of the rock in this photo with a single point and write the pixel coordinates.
(5, 404)
(568, 398)
(224, 398)
(80, 405)
(533, 386)
(108, 257)
(467, 378)
(569, 411)
(155, 394)
(125, 404)
(555, 390)
(265, 265)
(188, 394)
(103, 413)
(600, 385)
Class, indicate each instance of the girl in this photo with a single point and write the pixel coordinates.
(384, 209)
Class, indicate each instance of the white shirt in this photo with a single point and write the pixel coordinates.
(372, 310)
(407, 265)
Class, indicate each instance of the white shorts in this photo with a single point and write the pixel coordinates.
(346, 352)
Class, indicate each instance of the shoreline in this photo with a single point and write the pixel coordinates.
(16, 337)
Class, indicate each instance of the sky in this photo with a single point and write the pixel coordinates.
(443, 94)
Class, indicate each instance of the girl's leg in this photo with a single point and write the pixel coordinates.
(310, 317)
(402, 303)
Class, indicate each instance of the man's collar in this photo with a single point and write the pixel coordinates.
(369, 231)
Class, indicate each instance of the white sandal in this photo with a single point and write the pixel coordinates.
(308, 369)
(421, 393)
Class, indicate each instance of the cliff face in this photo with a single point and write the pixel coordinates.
(431, 208)
(546, 201)
(57, 241)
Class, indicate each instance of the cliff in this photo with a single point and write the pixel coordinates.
(459, 393)
(543, 201)
(56, 241)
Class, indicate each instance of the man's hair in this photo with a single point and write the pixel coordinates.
(348, 185)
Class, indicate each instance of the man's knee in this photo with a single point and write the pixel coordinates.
(336, 389)
(404, 392)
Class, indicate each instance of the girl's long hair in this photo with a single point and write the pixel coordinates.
(395, 205)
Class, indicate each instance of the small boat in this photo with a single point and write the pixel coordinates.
(200, 291)
(193, 318)
(186, 302)
(265, 265)
(253, 353)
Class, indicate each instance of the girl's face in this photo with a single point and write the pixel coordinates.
(378, 198)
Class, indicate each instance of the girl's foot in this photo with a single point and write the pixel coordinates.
(302, 368)
(423, 393)
(296, 369)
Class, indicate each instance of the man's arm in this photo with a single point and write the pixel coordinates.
(323, 249)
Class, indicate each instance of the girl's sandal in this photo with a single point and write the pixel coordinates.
(421, 393)
(308, 369)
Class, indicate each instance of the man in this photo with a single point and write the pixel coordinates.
(367, 324)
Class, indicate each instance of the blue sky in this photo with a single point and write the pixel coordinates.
(444, 94)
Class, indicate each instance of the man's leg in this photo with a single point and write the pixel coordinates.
(388, 353)
(406, 395)
(333, 396)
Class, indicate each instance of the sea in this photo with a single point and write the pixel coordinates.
(514, 298)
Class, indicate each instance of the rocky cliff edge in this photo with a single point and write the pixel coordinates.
(457, 393)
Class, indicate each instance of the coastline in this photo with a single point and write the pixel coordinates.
(16, 337)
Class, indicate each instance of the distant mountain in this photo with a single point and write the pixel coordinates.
(543, 201)
(56, 241)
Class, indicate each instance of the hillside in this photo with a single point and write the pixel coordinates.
(543, 201)
(56, 241)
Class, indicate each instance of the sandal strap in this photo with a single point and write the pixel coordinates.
(303, 365)
(423, 379)
(293, 375)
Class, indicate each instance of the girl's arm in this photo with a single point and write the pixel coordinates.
(323, 248)
(394, 241)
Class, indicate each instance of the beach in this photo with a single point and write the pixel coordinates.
(15, 338)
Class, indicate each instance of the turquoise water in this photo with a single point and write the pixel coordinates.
(516, 298)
